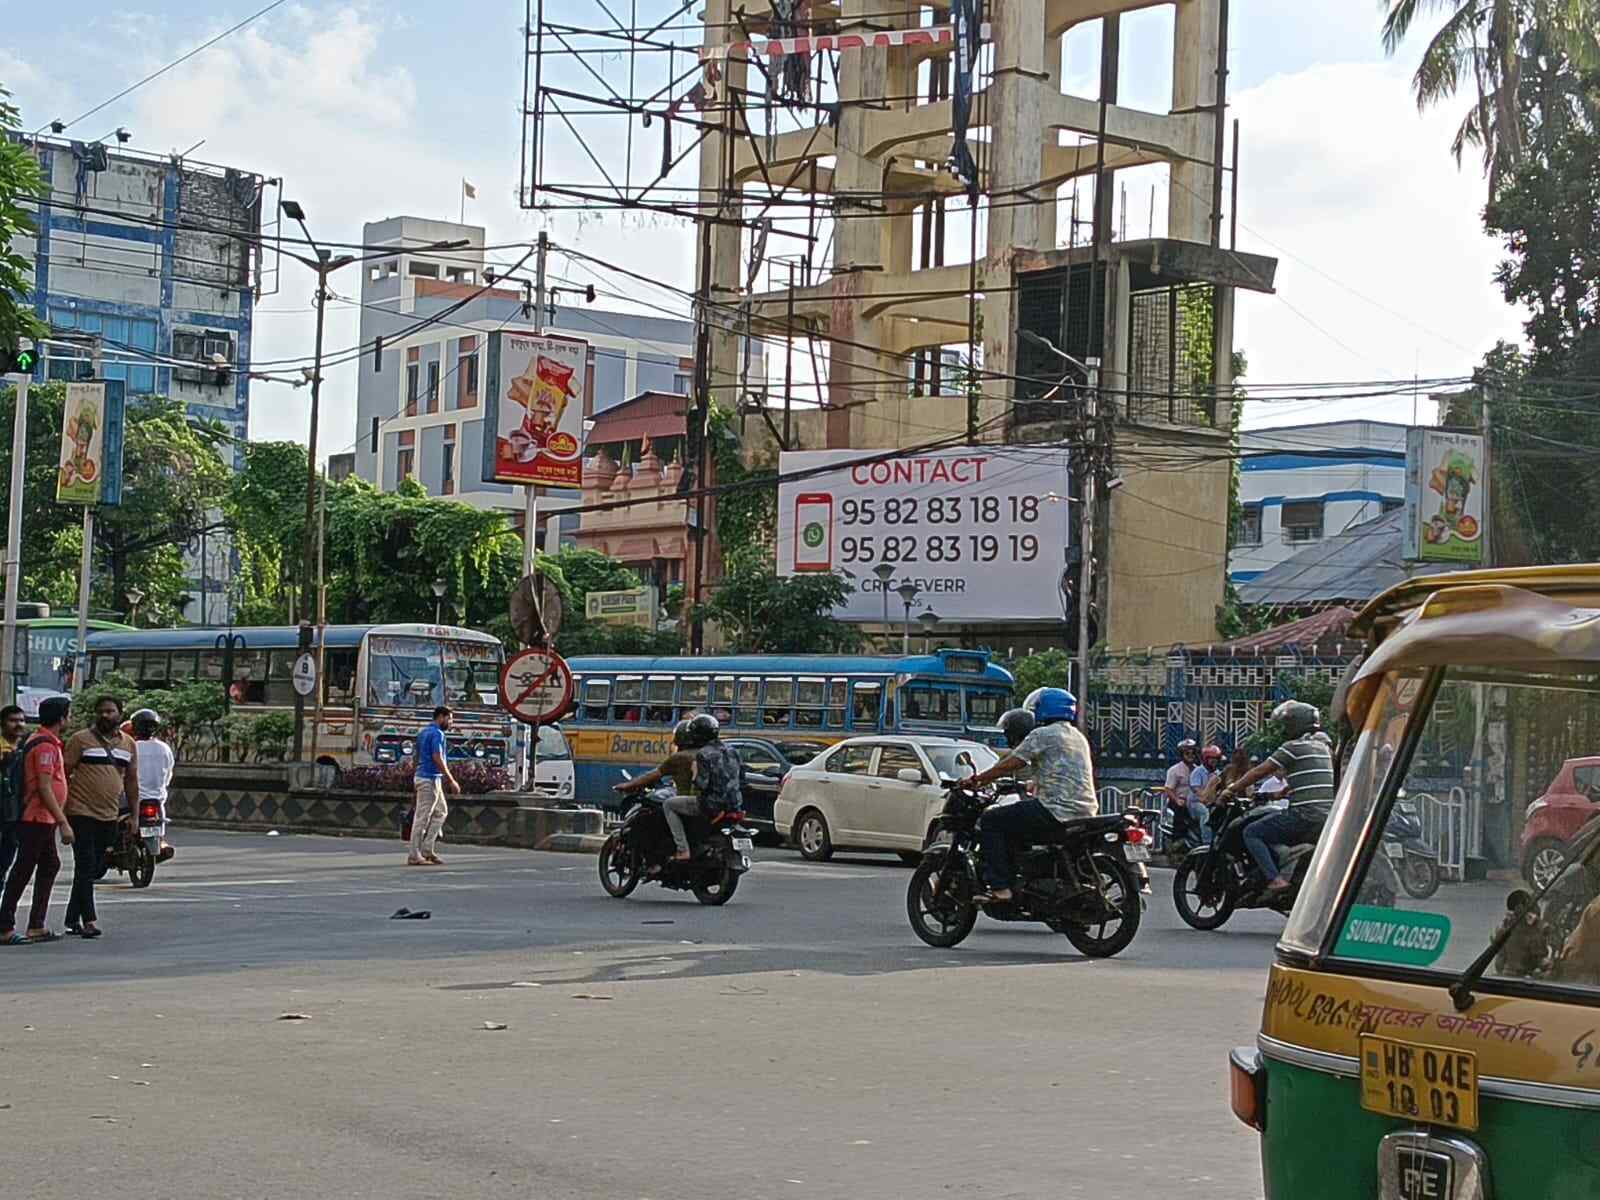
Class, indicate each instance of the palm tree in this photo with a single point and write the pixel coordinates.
(1490, 45)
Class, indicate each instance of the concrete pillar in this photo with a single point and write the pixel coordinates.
(1196, 28)
(1015, 159)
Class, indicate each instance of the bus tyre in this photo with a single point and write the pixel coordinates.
(812, 836)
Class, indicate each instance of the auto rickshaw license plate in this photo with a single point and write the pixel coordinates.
(1421, 1083)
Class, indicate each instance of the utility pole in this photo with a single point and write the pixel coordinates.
(308, 588)
(530, 524)
(80, 658)
(1091, 408)
(1488, 479)
(19, 460)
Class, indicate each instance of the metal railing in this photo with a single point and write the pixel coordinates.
(1444, 829)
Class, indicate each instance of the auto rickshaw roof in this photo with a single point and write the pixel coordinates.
(1569, 580)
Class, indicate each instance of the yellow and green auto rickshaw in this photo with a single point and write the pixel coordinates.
(1448, 1048)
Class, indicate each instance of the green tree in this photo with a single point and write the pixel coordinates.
(20, 187)
(761, 612)
(1043, 668)
(578, 572)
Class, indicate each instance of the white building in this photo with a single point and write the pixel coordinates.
(1300, 484)
(425, 394)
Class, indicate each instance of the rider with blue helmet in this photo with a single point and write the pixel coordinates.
(1058, 756)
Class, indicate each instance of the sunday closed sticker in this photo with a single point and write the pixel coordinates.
(1392, 935)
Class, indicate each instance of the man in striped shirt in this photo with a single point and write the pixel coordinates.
(1306, 760)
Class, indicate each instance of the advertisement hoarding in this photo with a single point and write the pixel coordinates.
(982, 531)
(533, 422)
(90, 467)
(1445, 489)
(632, 606)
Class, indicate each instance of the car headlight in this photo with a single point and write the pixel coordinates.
(566, 787)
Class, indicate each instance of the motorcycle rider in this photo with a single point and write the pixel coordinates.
(155, 767)
(679, 768)
(1181, 796)
(1064, 789)
(1306, 760)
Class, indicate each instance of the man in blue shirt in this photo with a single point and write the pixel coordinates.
(433, 777)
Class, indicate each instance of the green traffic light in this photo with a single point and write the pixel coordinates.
(25, 360)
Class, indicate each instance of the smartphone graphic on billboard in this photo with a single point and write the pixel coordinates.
(813, 531)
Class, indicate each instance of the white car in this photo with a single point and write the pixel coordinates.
(873, 793)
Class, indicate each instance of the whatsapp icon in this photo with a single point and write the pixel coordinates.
(812, 534)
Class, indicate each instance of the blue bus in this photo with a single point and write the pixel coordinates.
(624, 708)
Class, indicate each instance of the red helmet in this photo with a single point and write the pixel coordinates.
(1211, 754)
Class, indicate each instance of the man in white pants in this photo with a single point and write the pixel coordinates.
(432, 778)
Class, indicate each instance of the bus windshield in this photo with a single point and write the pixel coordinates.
(421, 672)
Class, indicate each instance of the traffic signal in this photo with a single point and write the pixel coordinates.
(18, 358)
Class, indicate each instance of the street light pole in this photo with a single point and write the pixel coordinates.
(1086, 539)
(19, 460)
(884, 572)
(907, 592)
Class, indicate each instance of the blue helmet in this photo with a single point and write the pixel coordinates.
(1051, 704)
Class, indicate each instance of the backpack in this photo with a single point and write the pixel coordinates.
(717, 773)
(12, 801)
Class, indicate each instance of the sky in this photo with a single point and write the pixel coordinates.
(368, 111)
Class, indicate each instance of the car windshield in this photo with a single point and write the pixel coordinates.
(552, 744)
(960, 761)
(1488, 813)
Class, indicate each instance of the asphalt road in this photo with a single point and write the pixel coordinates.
(799, 1042)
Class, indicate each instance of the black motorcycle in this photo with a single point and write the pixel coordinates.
(642, 852)
(1408, 854)
(1215, 880)
(1078, 881)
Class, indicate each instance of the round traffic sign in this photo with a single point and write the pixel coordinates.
(304, 675)
(536, 686)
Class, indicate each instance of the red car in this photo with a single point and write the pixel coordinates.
(1567, 805)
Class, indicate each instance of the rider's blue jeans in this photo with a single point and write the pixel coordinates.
(1286, 828)
(1020, 820)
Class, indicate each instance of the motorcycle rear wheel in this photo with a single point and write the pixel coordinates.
(717, 889)
(1112, 936)
(939, 902)
(1186, 898)
(141, 865)
(619, 867)
(1419, 876)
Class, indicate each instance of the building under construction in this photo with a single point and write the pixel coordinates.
(907, 201)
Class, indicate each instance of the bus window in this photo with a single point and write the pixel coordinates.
(748, 711)
(930, 702)
(338, 677)
(866, 705)
(153, 670)
(596, 699)
(280, 677)
(210, 665)
(838, 702)
(249, 677)
(777, 702)
(722, 698)
(182, 666)
(627, 701)
(808, 697)
(693, 693)
(101, 665)
(984, 705)
(659, 690)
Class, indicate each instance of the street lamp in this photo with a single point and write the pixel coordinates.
(929, 622)
(135, 598)
(439, 589)
(907, 592)
(884, 572)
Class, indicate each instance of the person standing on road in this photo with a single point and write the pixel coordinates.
(44, 797)
(433, 777)
(102, 772)
(10, 797)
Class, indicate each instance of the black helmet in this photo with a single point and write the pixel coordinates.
(1297, 718)
(145, 722)
(703, 729)
(680, 734)
(1016, 724)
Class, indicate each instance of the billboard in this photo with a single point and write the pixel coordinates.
(633, 606)
(90, 467)
(982, 531)
(1445, 487)
(533, 423)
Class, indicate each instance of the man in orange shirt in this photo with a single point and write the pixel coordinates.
(44, 793)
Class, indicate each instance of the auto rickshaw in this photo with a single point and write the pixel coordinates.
(1446, 1048)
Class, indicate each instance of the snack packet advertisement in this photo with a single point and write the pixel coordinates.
(534, 420)
(90, 466)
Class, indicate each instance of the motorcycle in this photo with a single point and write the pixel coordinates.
(136, 856)
(1077, 881)
(1215, 880)
(642, 852)
(1408, 854)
